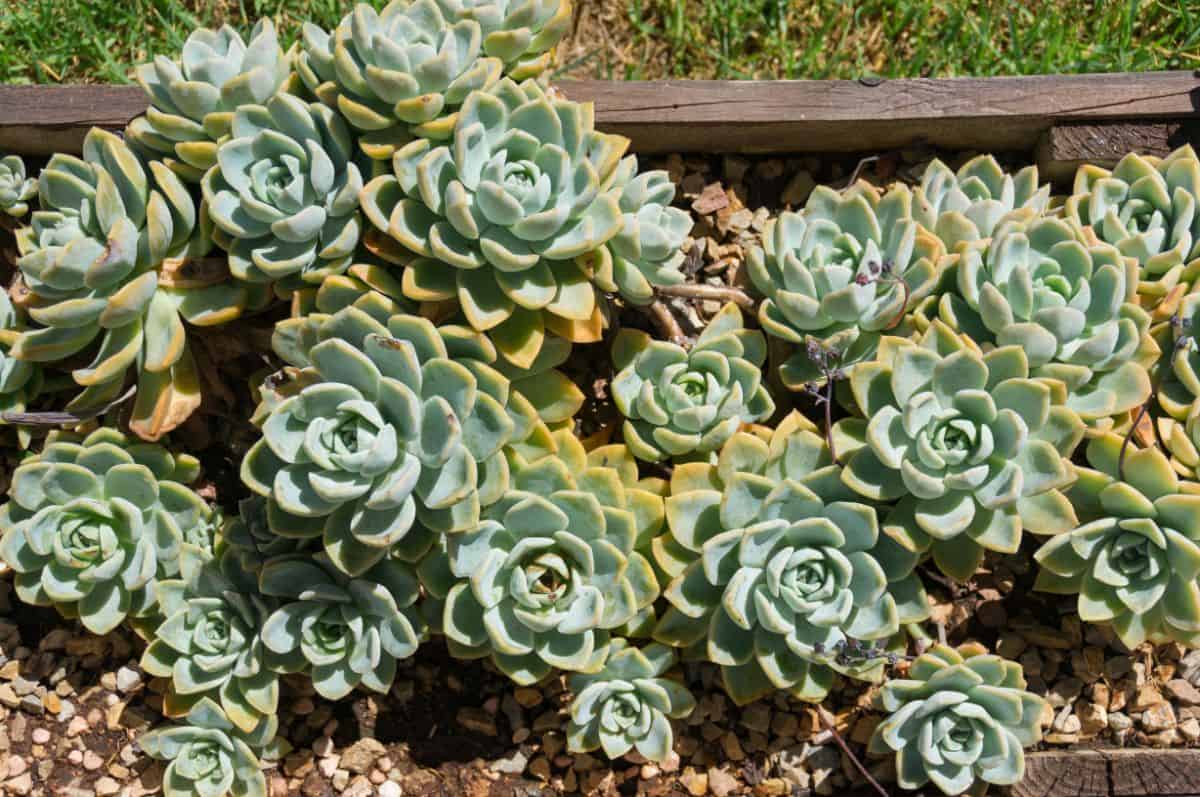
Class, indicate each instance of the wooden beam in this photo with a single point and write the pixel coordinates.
(741, 116)
(1065, 147)
(1121, 772)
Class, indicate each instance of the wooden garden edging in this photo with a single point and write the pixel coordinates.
(1067, 118)
(1064, 119)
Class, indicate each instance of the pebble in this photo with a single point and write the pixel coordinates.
(77, 726)
(106, 786)
(128, 679)
(695, 782)
(40, 736)
(92, 761)
(1183, 691)
(757, 717)
(732, 747)
(512, 764)
(389, 789)
(540, 768)
(1119, 721)
(720, 782)
(477, 720)
(20, 785)
(8, 698)
(1159, 717)
(361, 756)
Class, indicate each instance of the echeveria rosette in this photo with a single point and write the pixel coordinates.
(382, 426)
(343, 631)
(773, 562)
(842, 272)
(1147, 208)
(95, 259)
(500, 215)
(552, 568)
(685, 403)
(192, 100)
(521, 33)
(16, 189)
(1068, 303)
(91, 526)
(210, 642)
(209, 755)
(628, 705)
(1134, 561)
(965, 207)
(961, 719)
(969, 445)
(249, 535)
(396, 73)
(648, 250)
(284, 193)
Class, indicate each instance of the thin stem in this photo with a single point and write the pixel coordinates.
(895, 322)
(824, 716)
(829, 419)
(665, 321)
(703, 291)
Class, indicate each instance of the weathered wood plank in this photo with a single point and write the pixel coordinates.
(741, 116)
(1110, 773)
(1064, 147)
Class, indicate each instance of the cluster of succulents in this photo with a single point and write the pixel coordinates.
(436, 240)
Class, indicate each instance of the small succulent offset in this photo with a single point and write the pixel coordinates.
(553, 566)
(1147, 208)
(210, 643)
(1068, 303)
(15, 188)
(91, 526)
(521, 33)
(1135, 560)
(648, 251)
(398, 72)
(342, 631)
(628, 705)
(284, 193)
(973, 448)
(500, 216)
(966, 206)
(961, 719)
(95, 259)
(384, 425)
(773, 562)
(842, 272)
(19, 380)
(192, 101)
(209, 756)
(679, 403)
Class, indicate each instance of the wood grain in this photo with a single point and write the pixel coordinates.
(1064, 147)
(741, 116)
(1110, 773)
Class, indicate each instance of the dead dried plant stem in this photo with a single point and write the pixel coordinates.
(829, 722)
(666, 322)
(717, 292)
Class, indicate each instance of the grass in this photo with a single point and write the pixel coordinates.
(45, 41)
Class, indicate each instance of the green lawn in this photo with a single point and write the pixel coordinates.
(99, 40)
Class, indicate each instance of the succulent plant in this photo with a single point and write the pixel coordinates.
(773, 562)
(1177, 372)
(192, 100)
(961, 719)
(210, 643)
(647, 252)
(966, 206)
(1135, 559)
(249, 535)
(382, 426)
(116, 255)
(343, 631)
(841, 273)
(19, 380)
(1069, 304)
(628, 705)
(500, 216)
(521, 33)
(91, 526)
(973, 448)
(209, 756)
(284, 192)
(679, 403)
(370, 286)
(15, 188)
(1147, 208)
(552, 567)
(398, 72)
